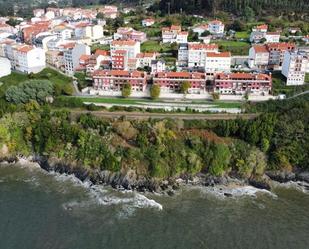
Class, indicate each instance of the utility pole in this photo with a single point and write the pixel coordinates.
(169, 8)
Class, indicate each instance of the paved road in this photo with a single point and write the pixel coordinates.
(184, 116)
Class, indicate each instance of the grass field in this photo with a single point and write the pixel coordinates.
(235, 47)
(242, 35)
(155, 46)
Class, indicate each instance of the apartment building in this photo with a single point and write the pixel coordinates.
(276, 53)
(131, 47)
(294, 67)
(71, 54)
(218, 62)
(172, 81)
(29, 32)
(197, 53)
(114, 80)
(144, 59)
(242, 83)
(216, 27)
(258, 57)
(128, 33)
(272, 37)
(157, 66)
(87, 30)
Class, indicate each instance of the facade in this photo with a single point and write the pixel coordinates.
(144, 59)
(261, 28)
(258, 57)
(200, 29)
(242, 83)
(272, 37)
(72, 53)
(131, 47)
(5, 66)
(29, 59)
(197, 53)
(294, 67)
(157, 66)
(120, 59)
(217, 62)
(216, 27)
(174, 34)
(29, 32)
(276, 53)
(86, 30)
(114, 80)
(171, 81)
(148, 22)
(183, 55)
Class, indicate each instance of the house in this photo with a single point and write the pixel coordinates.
(197, 53)
(172, 81)
(257, 36)
(217, 62)
(86, 30)
(29, 32)
(183, 55)
(29, 59)
(216, 27)
(5, 66)
(294, 30)
(144, 59)
(114, 80)
(272, 37)
(263, 28)
(38, 12)
(294, 67)
(148, 22)
(174, 34)
(128, 33)
(109, 11)
(55, 58)
(258, 57)
(72, 53)
(157, 66)
(242, 83)
(63, 32)
(200, 29)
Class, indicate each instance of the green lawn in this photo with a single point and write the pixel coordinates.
(242, 35)
(307, 78)
(62, 83)
(235, 47)
(155, 46)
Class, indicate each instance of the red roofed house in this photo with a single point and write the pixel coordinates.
(197, 53)
(260, 28)
(114, 80)
(29, 32)
(144, 59)
(258, 57)
(171, 81)
(216, 27)
(148, 22)
(242, 83)
(174, 34)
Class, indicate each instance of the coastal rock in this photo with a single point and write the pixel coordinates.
(281, 176)
(303, 176)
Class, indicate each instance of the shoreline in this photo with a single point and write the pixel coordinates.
(224, 186)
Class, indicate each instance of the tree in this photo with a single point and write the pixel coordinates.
(215, 96)
(185, 86)
(155, 91)
(100, 15)
(220, 160)
(126, 90)
(205, 33)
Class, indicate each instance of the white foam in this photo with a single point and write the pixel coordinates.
(298, 185)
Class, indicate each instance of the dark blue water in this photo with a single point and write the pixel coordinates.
(40, 210)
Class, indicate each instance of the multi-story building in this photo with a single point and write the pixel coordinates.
(174, 34)
(157, 66)
(114, 80)
(131, 47)
(5, 66)
(71, 54)
(120, 59)
(172, 81)
(29, 59)
(63, 32)
(217, 62)
(144, 59)
(197, 53)
(87, 30)
(276, 53)
(242, 83)
(55, 58)
(294, 67)
(183, 55)
(29, 32)
(128, 33)
(258, 57)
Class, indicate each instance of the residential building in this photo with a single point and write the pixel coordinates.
(294, 67)
(38, 12)
(144, 59)
(242, 83)
(148, 22)
(157, 66)
(258, 57)
(276, 53)
(200, 29)
(183, 55)
(120, 59)
(87, 30)
(114, 80)
(272, 37)
(55, 58)
(260, 28)
(257, 36)
(174, 34)
(109, 11)
(29, 59)
(172, 81)
(216, 27)
(197, 53)
(5, 66)
(217, 62)
(131, 47)
(72, 53)
(63, 32)
(29, 32)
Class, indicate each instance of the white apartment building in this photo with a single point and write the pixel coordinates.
(5, 66)
(258, 56)
(71, 54)
(131, 47)
(197, 53)
(29, 59)
(62, 32)
(218, 62)
(144, 59)
(86, 30)
(157, 66)
(294, 67)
